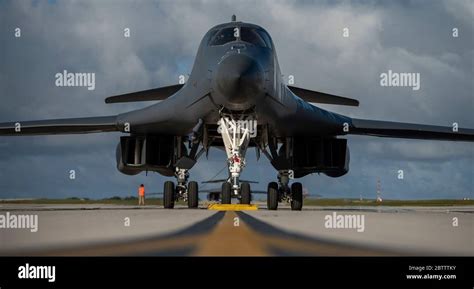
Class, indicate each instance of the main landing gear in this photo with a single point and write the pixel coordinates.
(281, 191)
(182, 191)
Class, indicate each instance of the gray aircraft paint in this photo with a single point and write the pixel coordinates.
(275, 104)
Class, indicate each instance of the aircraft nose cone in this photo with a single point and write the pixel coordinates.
(239, 80)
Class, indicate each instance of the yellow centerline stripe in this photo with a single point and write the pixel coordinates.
(227, 239)
(230, 237)
(232, 207)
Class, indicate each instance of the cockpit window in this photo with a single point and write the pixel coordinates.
(251, 36)
(265, 37)
(223, 36)
(211, 36)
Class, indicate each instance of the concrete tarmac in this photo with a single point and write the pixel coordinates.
(102, 230)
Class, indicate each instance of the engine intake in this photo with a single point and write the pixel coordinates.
(146, 153)
(320, 155)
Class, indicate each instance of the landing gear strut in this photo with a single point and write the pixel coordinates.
(183, 190)
(279, 192)
(236, 136)
(188, 192)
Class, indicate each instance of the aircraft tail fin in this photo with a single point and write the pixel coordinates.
(146, 95)
(320, 97)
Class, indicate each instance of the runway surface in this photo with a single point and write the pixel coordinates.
(102, 230)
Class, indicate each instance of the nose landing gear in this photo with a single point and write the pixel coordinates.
(236, 136)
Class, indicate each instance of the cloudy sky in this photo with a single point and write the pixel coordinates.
(87, 36)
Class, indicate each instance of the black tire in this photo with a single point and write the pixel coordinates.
(245, 194)
(226, 193)
(193, 196)
(296, 197)
(168, 195)
(272, 196)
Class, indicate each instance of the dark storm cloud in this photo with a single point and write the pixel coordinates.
(87, 36)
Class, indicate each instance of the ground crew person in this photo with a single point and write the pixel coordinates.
(141, 195)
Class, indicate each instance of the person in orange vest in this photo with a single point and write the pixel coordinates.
(141, 195)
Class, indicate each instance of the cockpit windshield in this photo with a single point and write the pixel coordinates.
(222, 36)
(250, 35)
(265, 37)
(255, 36)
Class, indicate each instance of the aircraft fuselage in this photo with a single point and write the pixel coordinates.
(237, 76)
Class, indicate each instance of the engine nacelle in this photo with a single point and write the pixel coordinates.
(342, 171)
(124, 169)
(320, 155)
(146, 153)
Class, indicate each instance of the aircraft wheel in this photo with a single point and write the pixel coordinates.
(226, 193)
(168, 195)
(193, 196)
(272, 196)
(296, 197)
(245, 194)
